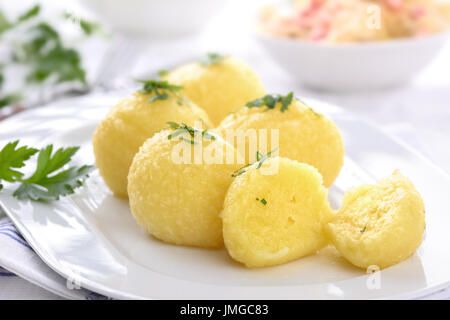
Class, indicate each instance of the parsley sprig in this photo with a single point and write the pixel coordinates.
(181, 128)
(260, 158)
(50, 180)
(211, 58)
(270, 101)
(12, 158)
(41, 49)
(161, 89)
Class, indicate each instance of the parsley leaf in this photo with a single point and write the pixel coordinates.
(211, 58)
(10, 99)
(160, 90)
(5, 24)
(12, 158)
(181, 128)
(48, 57)
(34, 11)
(270, 101)
(48, 182)
(260, 158)
(88, 27)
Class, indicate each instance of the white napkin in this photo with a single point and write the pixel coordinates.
(18, 262)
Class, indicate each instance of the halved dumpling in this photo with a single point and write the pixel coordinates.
(270, 219)
(379, 225)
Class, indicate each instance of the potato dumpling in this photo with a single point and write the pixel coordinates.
(304, 135)
(176, 199)
(381, 224)
(218, 85)
(270, 219)
(125, 128)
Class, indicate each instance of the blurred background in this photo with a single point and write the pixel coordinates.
(391, 68)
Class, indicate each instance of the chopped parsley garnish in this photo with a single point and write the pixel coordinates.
(363, 229)
(270, 101)
(160, 90)
(181, 128)
(260, 158)
(315, 112)
(49, 181)
(211, 58)
(263, 201)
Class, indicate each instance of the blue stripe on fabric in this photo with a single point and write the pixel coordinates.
(6, 273)
(15, 238)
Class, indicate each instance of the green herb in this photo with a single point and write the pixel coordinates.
(12, 158)
(49, 180)
(161, 73)
(270, 101)
(211, 58)
(315, 112)
(39, 47)
(5, 24)
(363, 229)
(260, 158)
(160, 90)
(88, 27)
(181, 128)
(10, 99)
(263, 201)
(45, 54)
(33, 12)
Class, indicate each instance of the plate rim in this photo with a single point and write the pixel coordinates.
(114, 293)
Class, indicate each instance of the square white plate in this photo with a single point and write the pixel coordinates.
(92, 239)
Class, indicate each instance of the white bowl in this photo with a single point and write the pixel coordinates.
(158, 18)
(353, 66)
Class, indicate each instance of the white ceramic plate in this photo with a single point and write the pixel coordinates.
(91, 238)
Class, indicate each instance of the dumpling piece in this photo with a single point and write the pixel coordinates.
(303, 134)
(275, 213)
(379, 225)
(132, 121)
(177, 184)
(218, 84)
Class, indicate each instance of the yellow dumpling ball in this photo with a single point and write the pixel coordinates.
(176, 187)
(218, 84)
(302, 133)
(125, 128)
(379, 225)
(275, 213)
